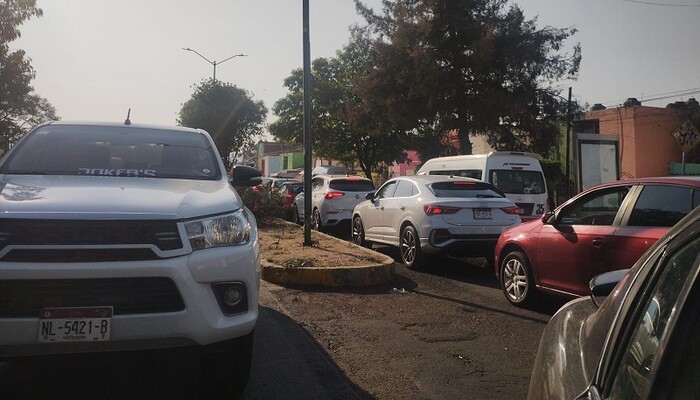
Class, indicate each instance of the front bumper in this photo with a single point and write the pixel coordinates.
(200, 323)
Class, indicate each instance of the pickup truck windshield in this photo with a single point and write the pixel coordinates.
(113, 151)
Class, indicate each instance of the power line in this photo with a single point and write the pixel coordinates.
(661, 96)
(651, 3)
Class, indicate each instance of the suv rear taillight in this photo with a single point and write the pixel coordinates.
(431, 209)
(333, 195)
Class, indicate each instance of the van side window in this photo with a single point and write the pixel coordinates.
(465, 173)
(518, 181)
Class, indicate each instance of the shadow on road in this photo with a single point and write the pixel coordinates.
(288, 363)
(127, 375)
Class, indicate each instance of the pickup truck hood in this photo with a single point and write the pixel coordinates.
(99, 197)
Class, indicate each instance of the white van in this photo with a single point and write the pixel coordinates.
(518, 175)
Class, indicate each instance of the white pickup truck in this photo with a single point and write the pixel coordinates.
(127, 237)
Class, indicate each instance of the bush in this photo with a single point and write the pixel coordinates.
(265, 203)
(556, 180)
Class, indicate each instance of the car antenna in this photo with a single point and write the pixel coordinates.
(127, 121)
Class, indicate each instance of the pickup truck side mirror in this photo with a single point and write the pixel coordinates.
(369, 196)
(243, 175)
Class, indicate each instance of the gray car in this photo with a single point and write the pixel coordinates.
(643, 342)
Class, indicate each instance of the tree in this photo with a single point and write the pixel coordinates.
(345, 126)
(227, 112)
(471, 65)
(20, 107)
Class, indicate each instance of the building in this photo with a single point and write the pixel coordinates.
(413, 161)
(275, 158)
(645, 144)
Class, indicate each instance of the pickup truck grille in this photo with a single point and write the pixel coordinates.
(25, 298)
(78, 255)
(40, 232)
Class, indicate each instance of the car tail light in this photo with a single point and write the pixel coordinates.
(290, 196)
(431, 209)
(511, 210)
(333, 195)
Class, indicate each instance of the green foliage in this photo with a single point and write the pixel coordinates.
(265, 203)
(478, 66)
(227, 112)
(20, 107)
(346, 125)
(556, 179)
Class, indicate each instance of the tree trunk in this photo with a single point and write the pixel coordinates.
(465, 145)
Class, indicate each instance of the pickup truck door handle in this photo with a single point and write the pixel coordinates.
(598, 242)
(402, 208)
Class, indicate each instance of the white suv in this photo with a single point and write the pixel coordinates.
(332, 199)
(127, 237)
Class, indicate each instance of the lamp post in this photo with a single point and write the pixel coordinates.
(214, 63)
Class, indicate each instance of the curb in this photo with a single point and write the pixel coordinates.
(366, 275)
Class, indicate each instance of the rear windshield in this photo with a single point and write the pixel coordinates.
(352, 185)
(296, 189)
(461, 189)
(114, 151)
(518, 182)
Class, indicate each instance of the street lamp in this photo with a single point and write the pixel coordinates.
(214, 63)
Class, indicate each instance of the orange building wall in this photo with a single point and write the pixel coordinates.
(646, 145)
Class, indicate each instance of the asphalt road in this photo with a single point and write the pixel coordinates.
(443, 333)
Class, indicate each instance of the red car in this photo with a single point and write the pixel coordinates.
(289, 190)
(602, 229)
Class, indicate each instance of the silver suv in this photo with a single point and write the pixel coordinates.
(333, 198)
(116, 237)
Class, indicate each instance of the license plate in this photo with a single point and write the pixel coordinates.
(482, 213)
(80, 324)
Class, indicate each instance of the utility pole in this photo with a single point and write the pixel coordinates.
(307, 127)
(568, 145)
(214, 63)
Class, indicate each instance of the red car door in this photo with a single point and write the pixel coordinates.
(577, 246)
(657, 208)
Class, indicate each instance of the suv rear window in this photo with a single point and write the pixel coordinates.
(352, 185)
(113, 151)
(465, 189)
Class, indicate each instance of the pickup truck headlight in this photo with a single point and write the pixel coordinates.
(225, 230)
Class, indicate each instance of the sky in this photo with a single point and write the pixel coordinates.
(95, 59)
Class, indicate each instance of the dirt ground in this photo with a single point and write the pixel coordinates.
(443, 333)
(282, 243)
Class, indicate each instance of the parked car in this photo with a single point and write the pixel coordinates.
(431, 214)
(642, 343)
(289, 190)
(518, 175)
(605, 228)
(273, 183)
(333, 199)
(127, 237)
